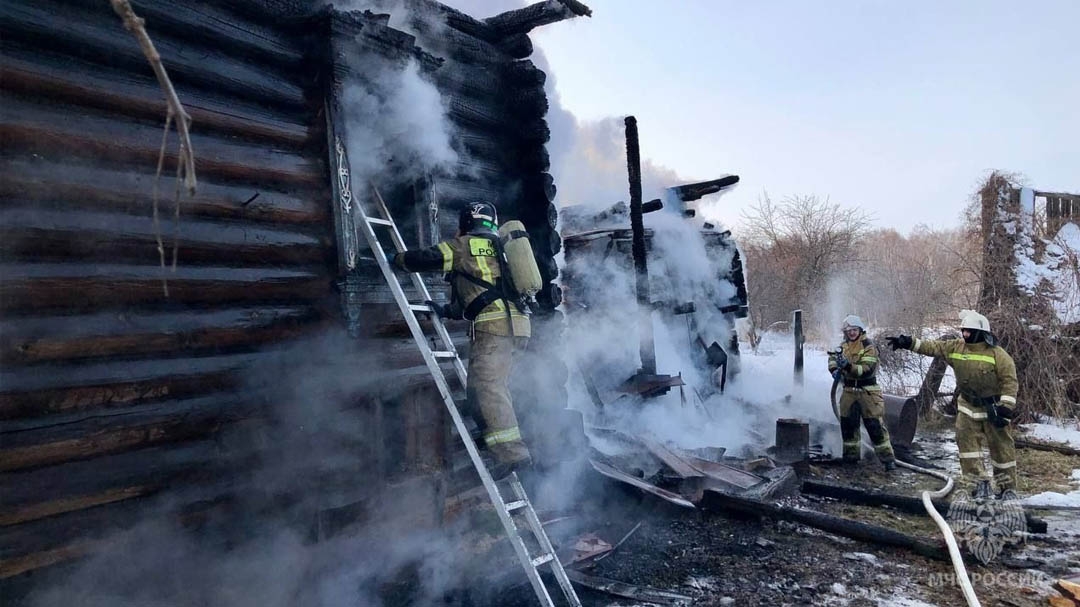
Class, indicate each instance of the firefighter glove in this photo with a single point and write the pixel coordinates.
(1004, 416)
(440, 310)
(900, 341)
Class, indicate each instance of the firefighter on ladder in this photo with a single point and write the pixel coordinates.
(854, 363)
(471, 262)
(986, 385)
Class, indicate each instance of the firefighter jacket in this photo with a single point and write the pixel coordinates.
(985, 375)
(470, 256)
(863, 356)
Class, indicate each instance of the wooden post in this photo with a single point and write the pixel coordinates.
(641, 268)
(797, 331)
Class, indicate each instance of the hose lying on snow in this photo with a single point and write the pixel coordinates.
(927, 500)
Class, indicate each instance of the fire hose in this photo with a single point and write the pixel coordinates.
(927, 500)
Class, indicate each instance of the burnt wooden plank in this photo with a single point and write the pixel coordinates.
(34, 288)
(48, 235)
(133, 334)
(153, 424)
(71, 186)
(142, 99)
(57, 131)
(98, 35)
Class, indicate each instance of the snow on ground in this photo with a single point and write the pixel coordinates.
(1058, 431)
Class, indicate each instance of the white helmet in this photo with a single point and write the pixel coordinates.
(970, 319)
(854, 321)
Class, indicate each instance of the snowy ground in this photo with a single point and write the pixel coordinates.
(1064, 433)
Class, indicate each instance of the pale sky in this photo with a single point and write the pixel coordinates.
(897, 107)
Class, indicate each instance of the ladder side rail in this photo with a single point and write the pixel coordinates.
(418, 283)
(537, 528)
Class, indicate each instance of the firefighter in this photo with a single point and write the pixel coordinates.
(472, 262)
(986, 386)
(854, 363)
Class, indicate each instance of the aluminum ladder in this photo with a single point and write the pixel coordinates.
(433, 358)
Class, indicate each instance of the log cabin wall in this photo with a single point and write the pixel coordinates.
(112, 395)
(115, 399)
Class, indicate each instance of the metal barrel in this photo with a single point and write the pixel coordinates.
(901, 418)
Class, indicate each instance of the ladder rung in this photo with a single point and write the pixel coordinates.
(420, 308)
(516, 505)
(543, 558)
(443, 354)
(380, 222)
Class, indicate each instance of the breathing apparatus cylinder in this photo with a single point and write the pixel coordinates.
(519, 256)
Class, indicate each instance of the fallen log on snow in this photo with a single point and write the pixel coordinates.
(865, 532)
(903, 503)
(1023, 443)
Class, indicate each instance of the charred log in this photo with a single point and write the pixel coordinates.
(39, 288)
(29, 341)
(518, 46)
(524, 20)
(139, 152)
(61, 185)
(524, 74)
(903, 503)
(142, 99)
(93, 35)
(826, 522)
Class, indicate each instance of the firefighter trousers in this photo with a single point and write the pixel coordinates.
(490, 362)
(971, 435)
(868, 407)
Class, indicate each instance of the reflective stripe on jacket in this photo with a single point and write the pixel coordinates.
(474, 255)
(982, 371)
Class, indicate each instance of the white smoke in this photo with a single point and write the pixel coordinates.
(397, 124)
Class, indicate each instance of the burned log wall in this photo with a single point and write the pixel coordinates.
(110, 391)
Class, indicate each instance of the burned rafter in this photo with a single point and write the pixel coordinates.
(524, 20)
(694, 191)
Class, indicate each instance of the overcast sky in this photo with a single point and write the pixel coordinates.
(898, 107)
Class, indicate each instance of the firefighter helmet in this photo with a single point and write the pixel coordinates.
(970, 319)
(854, 321)
(478, 216)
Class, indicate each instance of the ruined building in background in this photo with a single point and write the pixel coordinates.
(1030, 287)
(275, 376)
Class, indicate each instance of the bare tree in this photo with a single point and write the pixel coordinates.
(793, 247)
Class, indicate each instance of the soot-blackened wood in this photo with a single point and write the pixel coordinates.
(61, 185)
(524, 74)
(27, 235)
(467, 81)
(633, 167)
(214, 27)
(524, 20)
(54, 144)
(518, 46)
(100, 37)
(58, 131)
(456, 193)
(715, 500)
(437, 11)
(37, 288)
(526, 103)
(904, 503)
(143, 100)
(171, 422)
(130, 334)
(459, 48)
